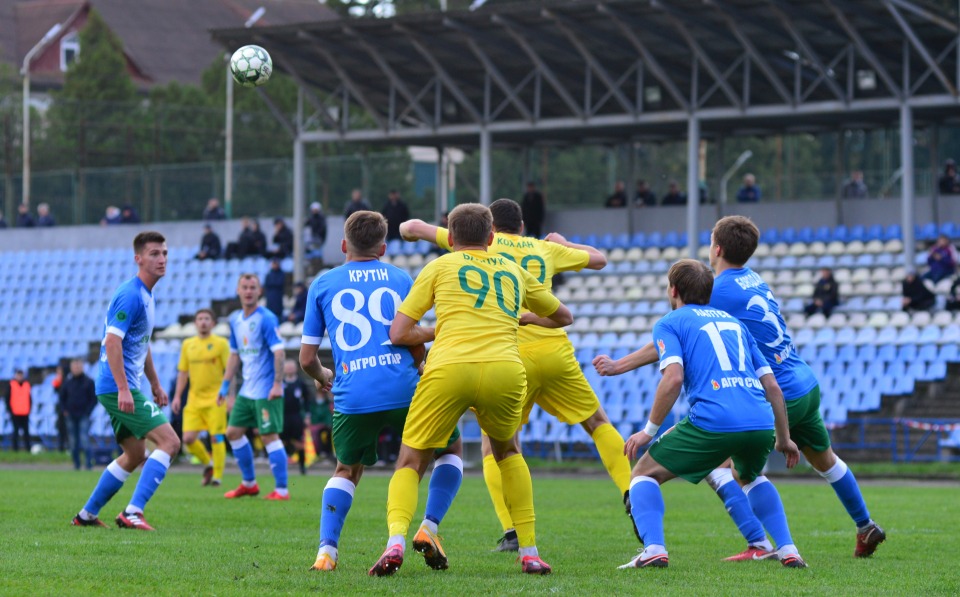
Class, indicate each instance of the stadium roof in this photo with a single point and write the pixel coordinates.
(605, 72)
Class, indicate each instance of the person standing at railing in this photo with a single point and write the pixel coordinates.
(19, 406)
(78, 398)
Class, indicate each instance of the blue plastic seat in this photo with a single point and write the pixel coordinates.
(805, 234)
(841, 233)
(639, 239)
(892, 232)
(926, 232)
(788, 235)
(857, 232)
(874, 232)
(770, 236)
(823, 234)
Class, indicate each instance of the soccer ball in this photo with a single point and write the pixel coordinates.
(251, 66)
(36, 449)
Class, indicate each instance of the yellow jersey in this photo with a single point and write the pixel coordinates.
(478, 298)
(541, 258)
(204, 361)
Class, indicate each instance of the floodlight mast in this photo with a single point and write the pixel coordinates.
(228, 127)
(25, 71)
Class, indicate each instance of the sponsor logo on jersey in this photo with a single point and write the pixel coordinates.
(661, 347)
(714, 384)
(778, 359)
(345, 368)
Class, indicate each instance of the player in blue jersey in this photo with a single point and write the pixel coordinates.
(375, 381)
(742, 293)
(736, 412)
(255, 342)
(124, 358)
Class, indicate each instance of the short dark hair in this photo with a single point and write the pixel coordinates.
(693, 281)
(209, 312)
(365, 231)
(507, 216)
(738, 236)
(144, 238)
(470, 224)
(248, 276)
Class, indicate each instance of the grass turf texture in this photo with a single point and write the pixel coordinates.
(208, 545)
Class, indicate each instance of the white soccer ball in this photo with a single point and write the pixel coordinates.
(251, 66)
(36, 449)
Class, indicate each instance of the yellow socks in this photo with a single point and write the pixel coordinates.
(197, 449)
(491, 474)
(402, 500)
(610, 446)
(219, 457)
(518, 493)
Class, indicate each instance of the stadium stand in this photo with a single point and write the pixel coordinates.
(867, 351)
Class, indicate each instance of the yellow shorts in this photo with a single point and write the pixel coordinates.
(494, 390)
(556, 382)
(209, 418)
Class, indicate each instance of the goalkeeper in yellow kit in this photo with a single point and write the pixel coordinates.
(554, 378)
(203, 359)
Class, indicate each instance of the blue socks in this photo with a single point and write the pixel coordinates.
(646, 504)
(337, 499)
(444, 485)
(109, 484)
(243, 452)
(278, 462)
(738, 507)
(154, 470)
(767, 506)
(845, 485)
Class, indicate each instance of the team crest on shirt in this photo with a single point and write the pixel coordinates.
(661, 347)
(253, 325)
(121, 316)
(265, 415)
(210, 346)
(714, 384)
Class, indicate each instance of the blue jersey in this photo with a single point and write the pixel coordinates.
(255, 339)
(722, 367)
(130, 317)
(743, 294)
(357, 302)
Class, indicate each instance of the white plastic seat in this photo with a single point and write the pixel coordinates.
(780, 250)
(862, 288)
(817, 248)
(798, 249)
(670, 253)
(837, 320)
(846, 289)
(836, 248)
(854, 247)
(619, 324)
(633, 293)
(634, 254)
(860, 275)
(885, 288)
(880, 274)
(841, 275)
(816, 321)
(878, 320)
(920, 318)
(803, 290)
(942, 318)
(873, 246)
(784, 276)
(763, 250)
(415, 260)
(899, 319)
(617, 255)
(651, 254)
(857, 320)
(803, 276)
(704, 253)
(894, 245)
(639, 323)
(943, 286)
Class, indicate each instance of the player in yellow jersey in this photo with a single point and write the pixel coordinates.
(474, 363)
(203, 359)
(554, 378)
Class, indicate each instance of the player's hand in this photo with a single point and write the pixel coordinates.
(125, 401)
(323, 386)
(160, 396)
(556, 237)
(790, 451)
(634, 443)
(605, 366)
(276, 391)
(175, 405)
(221, 399)
(528, 318)
(230, 401)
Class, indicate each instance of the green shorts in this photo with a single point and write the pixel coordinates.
(265, 415)
(692, 453)
(355, 437)
(806, 424)
(146, 415)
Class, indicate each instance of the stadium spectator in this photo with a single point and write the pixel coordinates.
(950, 182)
(320, 420)
(942, 260)
(44, 218)
(534, 210)
(317, 224)
(282, 240)
(24, 219)
(111, 216)
(356, 203)
(62, 436)
(210, 246)
(749, 192)
(619, 196)
(297, 397)
(443, 219)
(645, 195)
(128, 215)
(674, 195)
(213, 211)
(916, 295)
(238, 248)
(78, 398)
(826, 294)
(396, 212)
(953, 299)
(19, 406)
(258, 240)
(299, 303)
(3, 221)
(273, 285)
(855, 187)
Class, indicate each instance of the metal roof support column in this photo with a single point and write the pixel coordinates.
(441, 192)
(906, 182)
(299, 196)
(693, 186)
(485, 159)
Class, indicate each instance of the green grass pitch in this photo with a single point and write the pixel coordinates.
(211, 546)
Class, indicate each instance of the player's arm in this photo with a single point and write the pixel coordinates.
(314, 327)
(774, 396)
(413, 230)
(311, 365)
(159, 394)
(277, 390)
(404, 331)
(545, 307)
(113, 346)
(178, 391)
(606, 366)
(233, 363)
(668, 390)
(597, 259)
